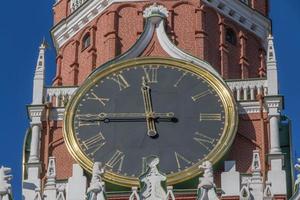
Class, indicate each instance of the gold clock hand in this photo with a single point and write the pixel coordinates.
(103, 115)
(148, 108)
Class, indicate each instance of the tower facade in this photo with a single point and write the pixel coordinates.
(230, 40)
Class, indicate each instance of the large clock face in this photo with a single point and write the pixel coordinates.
(129, 111)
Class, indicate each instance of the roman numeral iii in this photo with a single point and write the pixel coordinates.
(210, 117)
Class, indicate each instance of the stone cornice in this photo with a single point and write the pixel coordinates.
(249, 107)
(67, 28)
(243, 15)
(35, 113)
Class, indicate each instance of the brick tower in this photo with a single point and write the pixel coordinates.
(229, 38)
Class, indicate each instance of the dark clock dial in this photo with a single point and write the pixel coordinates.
(149, 109)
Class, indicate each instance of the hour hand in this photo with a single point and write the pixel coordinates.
(148, 108)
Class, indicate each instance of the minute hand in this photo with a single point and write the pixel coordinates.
(102, 116)
(148, 108)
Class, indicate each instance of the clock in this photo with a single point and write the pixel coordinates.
(128, 111)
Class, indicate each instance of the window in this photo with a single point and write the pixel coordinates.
(230, 36)
(86, 41)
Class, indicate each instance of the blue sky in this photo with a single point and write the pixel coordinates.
(24, 24)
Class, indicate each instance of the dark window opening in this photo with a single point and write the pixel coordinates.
(230, 36)
(86, 41)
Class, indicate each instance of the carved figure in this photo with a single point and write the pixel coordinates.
(96, 190)
(5, 186)
(153, 181)
(206, 187)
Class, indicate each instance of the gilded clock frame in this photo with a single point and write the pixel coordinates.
(223, 145)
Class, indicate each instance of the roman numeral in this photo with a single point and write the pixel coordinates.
(100, 99)
(180, 79)
(200, 95)
(121, 81)
(204, 140)
(179, 158)
(95, 143)
(210, 117)
(116, 161)
(83, 123)
(151, 74)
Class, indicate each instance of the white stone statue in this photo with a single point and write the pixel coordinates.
(296, 195)
(153, 181)
(207, 187)
(96, 191)
(5, 186)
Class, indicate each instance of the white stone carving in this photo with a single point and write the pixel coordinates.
(170, 194)
(243, 15)
(134, 195)
(61, 192)
(152, 181)
(96, 191)
(50, 186)
(38, 195)
(76, 4)
(156, 10)
(272, 72)
(268, 194)
(59, 95)
(296, 195)
(245, 193)
(39, 76)
(5, 186)
(206, 186)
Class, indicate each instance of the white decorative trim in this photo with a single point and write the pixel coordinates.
(35, 113)
(154, 10)
(61, 95)
(66, 29)
(243, 15)
(249, 107)
(175, 52)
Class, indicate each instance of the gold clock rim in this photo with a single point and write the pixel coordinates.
(223, 145)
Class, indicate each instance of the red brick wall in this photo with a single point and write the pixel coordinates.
(116, 30)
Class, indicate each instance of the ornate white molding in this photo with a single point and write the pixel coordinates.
(155, 10)
(243, 15)
(59, 96)
(35, 113)
(249, 107)
(245, 90)
(67, 28)
(274, 105)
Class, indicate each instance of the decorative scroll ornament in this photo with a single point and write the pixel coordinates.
(156, 11)
(96, 191)
(207, 187)
(153, 181)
